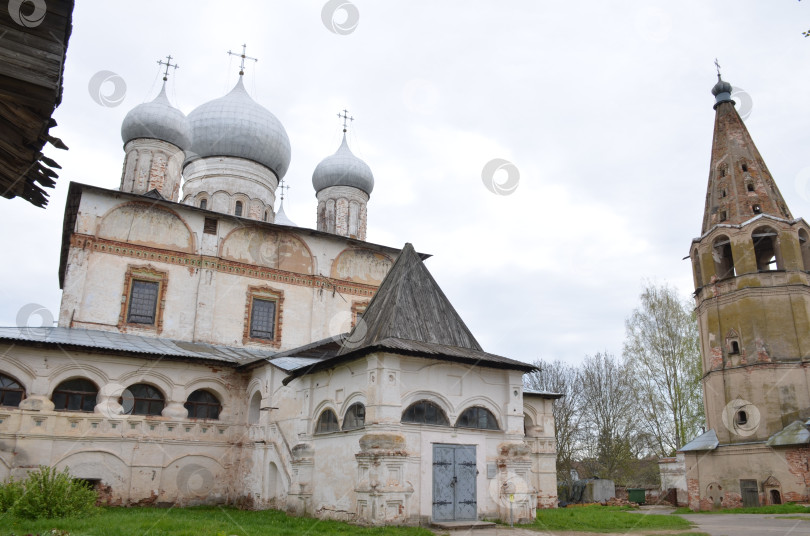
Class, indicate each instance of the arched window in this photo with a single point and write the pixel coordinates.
(741, 418)
(142, 399)
(355, 417)
(203, 203)
(11, 392)
(697, 269)
(265, 215)
(766, 249)
(238, 210)
(528, 425)
(327, 422)
(255, 408)
(477, 417)
(723, 258)
(425, 412)
(202, 404)
(75, 395)
(804, 244)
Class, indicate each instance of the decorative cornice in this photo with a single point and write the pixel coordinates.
(263, 273)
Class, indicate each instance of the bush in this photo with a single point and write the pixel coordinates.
(47, 493)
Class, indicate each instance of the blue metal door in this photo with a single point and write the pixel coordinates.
(454, 486)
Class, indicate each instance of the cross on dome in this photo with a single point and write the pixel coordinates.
(168, 63)
(345, 116)
(244, 57)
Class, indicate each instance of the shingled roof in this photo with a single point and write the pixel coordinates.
(410, 315)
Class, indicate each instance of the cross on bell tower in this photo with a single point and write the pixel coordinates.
(244, 57)
(345, 116)
(168, 63)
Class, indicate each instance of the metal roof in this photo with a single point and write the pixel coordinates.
(126, 343)
(795, 433)
(542, 394)
(157, 120)
(706, 441)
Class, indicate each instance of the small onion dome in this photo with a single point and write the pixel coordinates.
(236, 125)
(343, 169)
(722, 91)
(282, 219)
(157, 120)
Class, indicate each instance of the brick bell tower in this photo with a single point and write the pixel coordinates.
(752, 292)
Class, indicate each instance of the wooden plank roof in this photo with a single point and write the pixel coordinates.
(32, 57)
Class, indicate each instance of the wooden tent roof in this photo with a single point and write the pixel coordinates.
(32, 57)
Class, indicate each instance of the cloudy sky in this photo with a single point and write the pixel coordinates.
(603, 108)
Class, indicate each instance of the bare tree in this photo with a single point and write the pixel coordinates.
(559, 377)
(608, 407)
(662, 348)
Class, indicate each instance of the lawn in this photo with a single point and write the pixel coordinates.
(789, 508)
(595, 518)
(198, 521)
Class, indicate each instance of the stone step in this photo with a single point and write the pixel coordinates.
(462, 525)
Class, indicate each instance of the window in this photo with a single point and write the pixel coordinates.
(210, 226)
(804, 244)
(723, 215)
(735, 348)
(477, 417)
(722, 193)
(723, 257)
(697, 269)
(202, 404)
(766, 249)
(203, 203)
(722, 172)
(327, 422)
(749, 186)
(143, 297)
(238, 209)
(75, 395)
(741, 417)
(142, 400)
(262, 319)
(265, 215)
(355, 417)
(745, 167)
(11, 392)
(757, 209)
(425, 412)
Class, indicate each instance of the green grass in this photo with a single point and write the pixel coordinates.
(595, 518)
(789, 508)
(198, 521)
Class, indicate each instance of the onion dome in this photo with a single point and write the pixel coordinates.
(343, 169)
(236, 125)
(721, 91)
(157, 120)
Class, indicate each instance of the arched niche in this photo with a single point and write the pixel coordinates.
(264, 247)
(723, 257)
(146, 225)
(361, 266)
(767, 253)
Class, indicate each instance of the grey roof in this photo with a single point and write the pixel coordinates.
(542, 394)
(409, 314)
(281, 217)
(288, 364)
(795, 433)
(343, 169)
(126, 343)
(235, 125)
(706, 441)
(157, 120)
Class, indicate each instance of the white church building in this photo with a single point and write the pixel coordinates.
(208, 350)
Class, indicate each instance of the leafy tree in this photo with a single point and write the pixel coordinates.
(562, 378)
(662, 349)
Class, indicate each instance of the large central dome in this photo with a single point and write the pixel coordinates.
(235, 125)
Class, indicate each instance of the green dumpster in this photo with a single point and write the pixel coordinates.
(636, 495)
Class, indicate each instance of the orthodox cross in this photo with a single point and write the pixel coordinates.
(345, 117)
(168, 63)
(244, 57)
(283, 186)
(716, 64)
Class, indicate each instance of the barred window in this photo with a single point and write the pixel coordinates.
(203, 203)
(11, 392)
(75, 395)
(142, 399)
(263, 319)
(477, 417)
(143, 301)
(238, 210)
(425, 412)
(202, 404)
(327, 422)
(355, 417)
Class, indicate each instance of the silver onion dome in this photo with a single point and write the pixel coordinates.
(157, 120)
(236, 125)
(722, 91)
(343, 169)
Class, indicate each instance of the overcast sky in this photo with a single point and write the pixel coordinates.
(603, 108)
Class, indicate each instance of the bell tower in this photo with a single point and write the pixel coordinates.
(752, 291)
